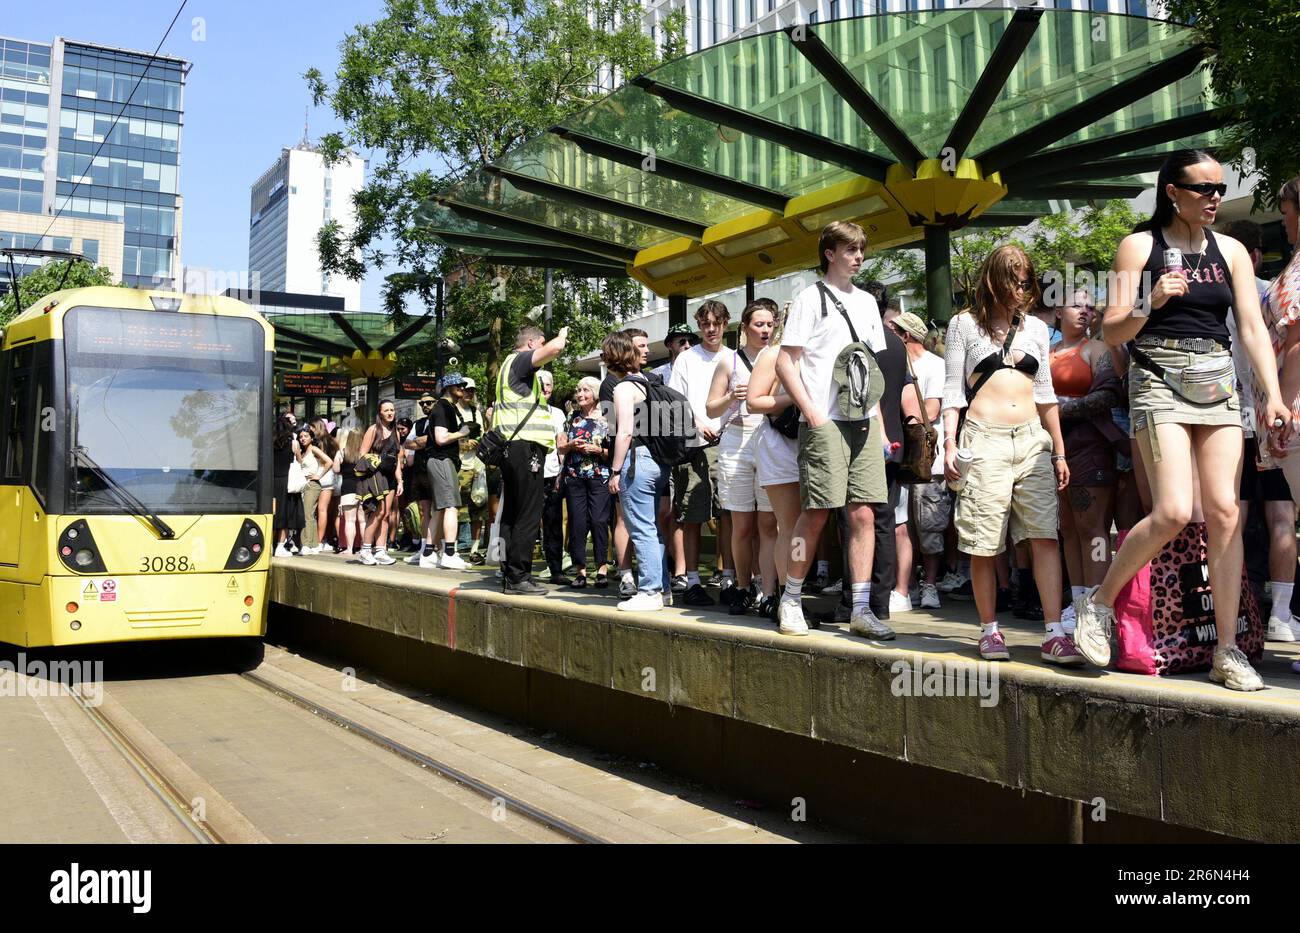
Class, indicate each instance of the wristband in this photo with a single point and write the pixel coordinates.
(1058, 458)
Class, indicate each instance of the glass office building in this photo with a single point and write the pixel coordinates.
(58, 103)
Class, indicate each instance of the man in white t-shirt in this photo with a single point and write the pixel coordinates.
(693, 481)
(841, 461)
(929, 505)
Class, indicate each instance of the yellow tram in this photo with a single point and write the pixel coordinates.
(135, 474)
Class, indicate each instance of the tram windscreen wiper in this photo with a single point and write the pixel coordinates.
(123, 495)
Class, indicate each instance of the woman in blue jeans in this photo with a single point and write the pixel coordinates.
(637, 479)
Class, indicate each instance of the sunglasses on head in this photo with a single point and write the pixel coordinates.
(1204, 188)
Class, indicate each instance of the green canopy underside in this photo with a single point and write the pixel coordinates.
(1060, 102)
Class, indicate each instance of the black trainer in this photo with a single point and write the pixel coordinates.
(741, 603)
(698, 596)
(559, 579)
(525, 587)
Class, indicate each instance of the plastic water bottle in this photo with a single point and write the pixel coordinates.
(964, 460)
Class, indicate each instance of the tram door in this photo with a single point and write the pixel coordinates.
(15, 451)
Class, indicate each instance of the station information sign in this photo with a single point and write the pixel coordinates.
(415, 386)
(315, 385)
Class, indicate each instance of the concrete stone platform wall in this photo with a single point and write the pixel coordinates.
(1201, 761)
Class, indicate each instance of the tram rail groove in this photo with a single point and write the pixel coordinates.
(153, 776)
(537, 815)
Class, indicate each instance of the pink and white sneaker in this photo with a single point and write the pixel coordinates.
(993, 647)
(1061, 650)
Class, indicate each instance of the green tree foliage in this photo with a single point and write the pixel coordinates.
(1253, 65)
(437, 89)
(1076, 248)
(45, 281)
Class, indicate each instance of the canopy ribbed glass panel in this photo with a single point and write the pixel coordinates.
(726, 163)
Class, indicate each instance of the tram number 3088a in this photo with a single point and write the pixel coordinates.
(165, 564)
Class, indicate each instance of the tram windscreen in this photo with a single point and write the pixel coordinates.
(166, 404)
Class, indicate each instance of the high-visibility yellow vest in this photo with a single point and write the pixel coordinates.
(511, 407)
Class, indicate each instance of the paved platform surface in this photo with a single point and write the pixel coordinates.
(1177, 749)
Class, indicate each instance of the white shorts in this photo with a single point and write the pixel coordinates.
(778, 457)
(900, 513)
(738, 489)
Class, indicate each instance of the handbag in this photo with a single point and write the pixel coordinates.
(920, 442)
(492, 445)
(1202, 383)
(297, 478)
(859, 383)
(786, 423)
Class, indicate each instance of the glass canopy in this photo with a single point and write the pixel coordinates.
(725, 163)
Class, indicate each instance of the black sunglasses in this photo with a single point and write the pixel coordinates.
(1204, 188)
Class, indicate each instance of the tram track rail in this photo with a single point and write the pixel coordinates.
(153, 776)
(511, 802)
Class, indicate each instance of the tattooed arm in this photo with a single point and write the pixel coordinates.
(1101, 398)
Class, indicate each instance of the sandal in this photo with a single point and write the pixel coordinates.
(579, 582)
(602, 580)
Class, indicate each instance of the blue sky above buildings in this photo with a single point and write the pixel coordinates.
(244, 98)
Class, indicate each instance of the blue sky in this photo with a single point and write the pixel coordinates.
(244, 98)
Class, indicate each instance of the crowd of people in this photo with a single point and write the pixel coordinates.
(991, 462)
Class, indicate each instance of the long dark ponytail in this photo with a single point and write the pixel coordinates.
(1174, 170)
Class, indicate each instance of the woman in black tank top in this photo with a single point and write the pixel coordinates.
(1177, 318)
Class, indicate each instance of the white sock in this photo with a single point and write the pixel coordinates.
(989, 628)
(1077, 591)
(693, 578)
(861, 597)
(728, 575)
(1054, 630)
(823, 568)
(793, 590)
(1282, 599)
(627, 577)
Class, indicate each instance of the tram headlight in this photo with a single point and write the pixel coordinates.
(77, 550)
(247, 547)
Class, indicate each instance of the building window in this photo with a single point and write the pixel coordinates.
(735, 15)
(752, 9)
(698, 31)
(834, 9)
(90, 249)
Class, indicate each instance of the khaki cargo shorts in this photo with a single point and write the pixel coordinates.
(841, 463)
(1011, 482)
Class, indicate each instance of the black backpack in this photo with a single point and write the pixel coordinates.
(669, 424)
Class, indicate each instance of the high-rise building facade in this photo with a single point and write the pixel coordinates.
(289, 204)
(61, 152)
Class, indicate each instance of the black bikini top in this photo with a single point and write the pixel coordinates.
(1027, 364)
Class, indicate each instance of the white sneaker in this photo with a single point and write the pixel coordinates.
(833, 589)
(384, 558)
(898, 602)
(429, 561)
(1069, 620)
(1232, 669)
(1282, 629)
(951, 581)
(308, 551)
(790, 619)
(867, 625)
(642, 602)
(367, 557)
(416, 558)
(453, 562)
(282, 551)
(1093, 625)
(929, 596)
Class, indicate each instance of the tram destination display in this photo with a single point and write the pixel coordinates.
(315, 385)
(415, 386)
